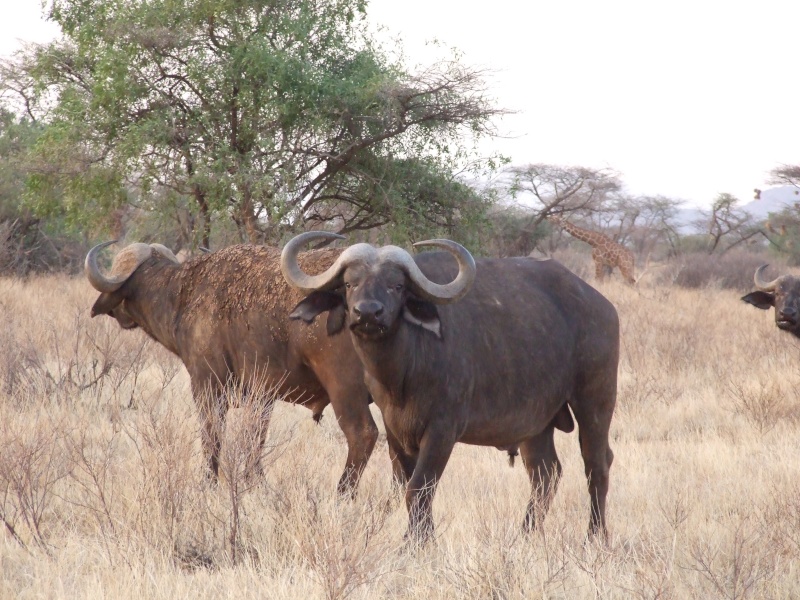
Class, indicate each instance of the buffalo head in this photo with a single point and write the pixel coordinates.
(113, 292)
(374, 288)
(783, 293)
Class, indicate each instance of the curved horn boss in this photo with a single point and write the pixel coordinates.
(763, 284)
(125, 263)
(424, 287)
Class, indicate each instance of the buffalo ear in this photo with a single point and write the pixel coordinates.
(106, 303)
(422, 313)
(336, 319)
(314, 304)
(762, 300)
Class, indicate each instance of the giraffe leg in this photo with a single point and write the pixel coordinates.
(628, 275)
(626, 268)
(599, 271)
(599, 265)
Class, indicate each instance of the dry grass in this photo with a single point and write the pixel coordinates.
(102, 494)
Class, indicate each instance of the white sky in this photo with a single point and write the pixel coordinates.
(684, 98)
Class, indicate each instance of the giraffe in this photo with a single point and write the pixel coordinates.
(606, 253)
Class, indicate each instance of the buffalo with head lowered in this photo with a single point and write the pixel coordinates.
(491, 354)
(782, 293)
(224, 315)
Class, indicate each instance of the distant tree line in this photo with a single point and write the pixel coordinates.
(225, 121)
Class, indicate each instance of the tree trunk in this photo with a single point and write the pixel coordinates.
(248, 219)
(202, 204)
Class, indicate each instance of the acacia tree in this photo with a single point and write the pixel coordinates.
(555, 189)
(642, 221)
(727, 220)
(275, 113)
(785, 175)
(537, 191)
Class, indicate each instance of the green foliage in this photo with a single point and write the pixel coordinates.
(274, 113)
(513, 231)
(783, 231)
(27, 242)
(16, 137)
(692, 244)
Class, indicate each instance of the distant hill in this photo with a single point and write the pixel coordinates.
(773, 200)
(686, 221)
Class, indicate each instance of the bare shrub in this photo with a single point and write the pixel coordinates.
(26, 247)
(653, 568)
(506, 562)
(596, 561)
(733, 270)
(68, 357)
(32, 462)
(654, 556)
(736, 560)
(166, 468)
(65, 371)
(11, 362)
(245, 448)
(94, 454)
(763, 403)
(346, 545)
(780, 515)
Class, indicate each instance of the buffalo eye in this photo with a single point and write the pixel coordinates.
(398, 287)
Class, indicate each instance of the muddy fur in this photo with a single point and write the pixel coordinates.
(242, 278)
(225, 314)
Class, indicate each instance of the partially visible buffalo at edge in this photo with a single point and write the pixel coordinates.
(782, 293)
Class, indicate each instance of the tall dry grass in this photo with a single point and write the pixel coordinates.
(102, 491)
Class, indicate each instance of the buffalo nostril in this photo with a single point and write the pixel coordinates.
(367, 310)
(790, 314)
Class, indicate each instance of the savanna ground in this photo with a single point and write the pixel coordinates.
(102, 492)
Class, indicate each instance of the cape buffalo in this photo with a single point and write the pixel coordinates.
(492, 358)
(783, 293)
(224, 316)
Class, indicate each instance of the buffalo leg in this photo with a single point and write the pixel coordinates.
(402, 463)
(434, 452)
(355, 419)
(544, 470)
(213, 408)
(263, 417)
(594, 421)
(212, 420)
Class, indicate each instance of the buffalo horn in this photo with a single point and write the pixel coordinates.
(292, 272)
(440, 293)
(761, 284)
(99, 281)
(125, 263)
(434, 292)
(165, 252)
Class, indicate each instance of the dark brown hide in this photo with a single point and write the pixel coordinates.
(784, 296)
(495, 368)
(225, 316)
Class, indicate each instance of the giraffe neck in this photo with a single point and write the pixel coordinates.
(590, 237)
